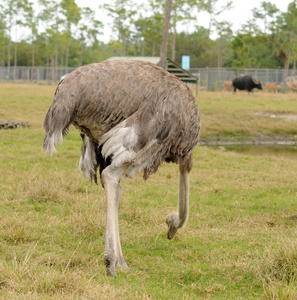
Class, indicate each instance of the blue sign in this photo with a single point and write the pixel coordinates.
(186, 62)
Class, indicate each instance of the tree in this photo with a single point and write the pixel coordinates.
(88, 31)
(284, 39)
(224, 34)
(72, 16)
(54, 35)
(148, 28)
(241, 54)
(163, 52)
(93, 38)
(10, 12)
(291, 28)
(22, 8)
(199, 46)
(3, 37)
(122, 13)
(211, 7)
(266, 10)
(32, 23)
(61, 35)
(180, 14)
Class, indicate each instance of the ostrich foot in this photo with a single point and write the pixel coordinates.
(112, 263)
(110, 266)
(173, 225)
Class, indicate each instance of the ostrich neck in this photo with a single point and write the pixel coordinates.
(183, 200)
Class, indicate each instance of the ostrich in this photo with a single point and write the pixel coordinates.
(132, 115)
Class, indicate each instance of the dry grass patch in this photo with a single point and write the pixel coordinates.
(279, 271)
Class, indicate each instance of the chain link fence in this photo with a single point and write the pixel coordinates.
(212, 79)
(39, 75)
(209, 78)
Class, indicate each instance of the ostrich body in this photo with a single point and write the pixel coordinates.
(132, 115)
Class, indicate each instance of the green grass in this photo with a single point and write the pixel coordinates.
(241, 117)
(240, 241)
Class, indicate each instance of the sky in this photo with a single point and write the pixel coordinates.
(238, 15)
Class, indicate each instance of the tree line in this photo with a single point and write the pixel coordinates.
(62, 34)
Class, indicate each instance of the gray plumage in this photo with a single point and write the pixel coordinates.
(130, 113)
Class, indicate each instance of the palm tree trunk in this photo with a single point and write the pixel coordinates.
(163, 53)
(173, 45)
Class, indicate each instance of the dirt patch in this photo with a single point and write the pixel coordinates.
(288, 116)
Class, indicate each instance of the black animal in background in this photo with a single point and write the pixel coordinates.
(246, 82)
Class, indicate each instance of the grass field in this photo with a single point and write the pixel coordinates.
(240, 241)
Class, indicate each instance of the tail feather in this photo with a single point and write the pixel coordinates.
(56, 123)
(51, 141)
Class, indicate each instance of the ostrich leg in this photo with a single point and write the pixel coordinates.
(178, 219)
(113, 256)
